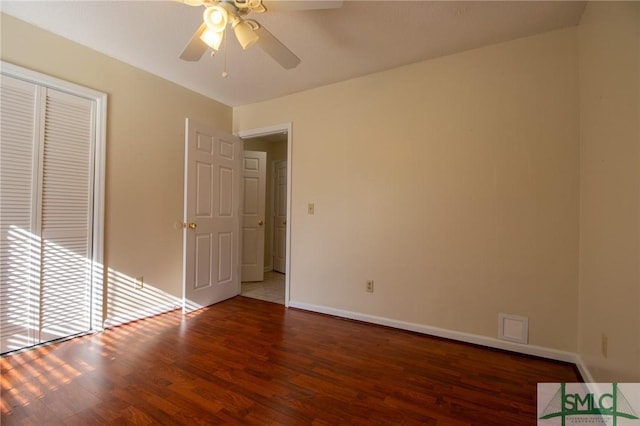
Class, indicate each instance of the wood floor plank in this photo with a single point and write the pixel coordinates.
(245, 361)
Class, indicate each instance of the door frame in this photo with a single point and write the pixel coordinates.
(270, 130)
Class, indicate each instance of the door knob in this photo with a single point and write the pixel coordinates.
(284, 223)
(192, 225)
(260, 222)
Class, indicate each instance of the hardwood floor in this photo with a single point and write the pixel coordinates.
(246, 361)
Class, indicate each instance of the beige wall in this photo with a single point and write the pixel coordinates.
(610, 190)
(145, 155)
(452, 183)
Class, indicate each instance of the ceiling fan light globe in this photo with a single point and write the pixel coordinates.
(245, 34)
(216, 18)
(213, 39)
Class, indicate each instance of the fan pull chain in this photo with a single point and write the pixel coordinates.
(224, 54)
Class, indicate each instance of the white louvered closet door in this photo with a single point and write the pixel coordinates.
(66, 216)
(19, 247)
(46, 205)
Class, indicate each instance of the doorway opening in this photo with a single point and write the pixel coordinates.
(272, 283)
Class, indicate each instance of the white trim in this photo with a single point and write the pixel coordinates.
(584, 371)
(25, 74)
(264, 131)
(185, 190)
(476, 339)
(99, 176)
(99, 173)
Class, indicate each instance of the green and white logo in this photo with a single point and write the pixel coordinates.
(615, 404)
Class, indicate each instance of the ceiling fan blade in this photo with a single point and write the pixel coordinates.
(195, 2)
(274, 48)
(196, 47)
(295, 5)
(191, 2)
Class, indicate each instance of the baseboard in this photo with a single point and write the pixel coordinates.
(476, 339)
(539, 351)
(584, 371)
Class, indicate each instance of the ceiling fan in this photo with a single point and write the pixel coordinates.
(221, 14)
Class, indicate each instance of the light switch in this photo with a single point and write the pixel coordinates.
(311, 208)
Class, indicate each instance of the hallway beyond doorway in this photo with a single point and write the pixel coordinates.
(270, 290)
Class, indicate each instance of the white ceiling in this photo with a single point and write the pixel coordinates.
(360, 38)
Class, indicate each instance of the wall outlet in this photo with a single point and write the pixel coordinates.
(139, 284)
(370, 286)
(604, 345)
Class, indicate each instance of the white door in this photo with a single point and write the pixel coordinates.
(280, 217)
(254, 174)
(212, 216)
(49, 190)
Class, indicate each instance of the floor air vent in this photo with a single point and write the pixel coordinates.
(513, 328)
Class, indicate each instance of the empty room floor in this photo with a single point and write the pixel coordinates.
(247, 361)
